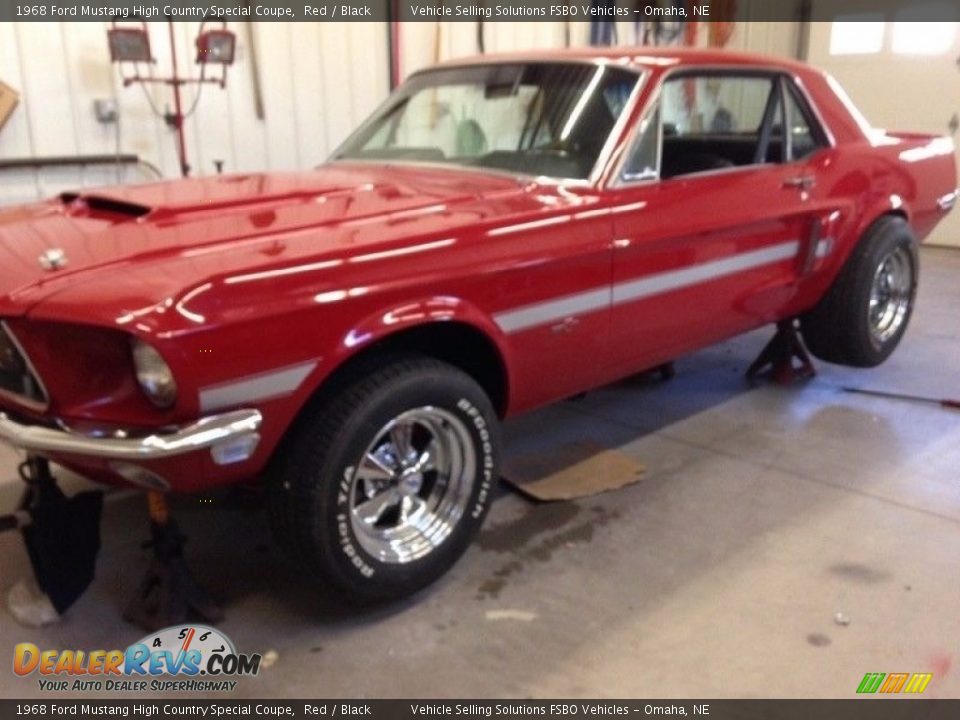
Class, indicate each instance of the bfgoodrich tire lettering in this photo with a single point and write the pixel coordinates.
(381, 488)
(863, 316)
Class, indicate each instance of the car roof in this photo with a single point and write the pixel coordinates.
(641, 56)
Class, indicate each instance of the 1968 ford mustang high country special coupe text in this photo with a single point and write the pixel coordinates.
(502, 233)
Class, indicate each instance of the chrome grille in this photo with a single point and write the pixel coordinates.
(17, 377)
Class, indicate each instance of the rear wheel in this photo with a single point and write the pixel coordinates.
(380, 490)
(864, 315)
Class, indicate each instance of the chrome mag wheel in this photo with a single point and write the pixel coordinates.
(412, 485)
(890, 295)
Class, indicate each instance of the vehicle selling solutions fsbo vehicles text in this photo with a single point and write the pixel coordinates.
(582, 10)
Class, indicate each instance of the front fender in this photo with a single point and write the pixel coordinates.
(390, 321)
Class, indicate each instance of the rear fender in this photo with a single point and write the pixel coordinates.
(849, 237)
(927, 178)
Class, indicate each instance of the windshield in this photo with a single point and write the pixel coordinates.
(534, 118)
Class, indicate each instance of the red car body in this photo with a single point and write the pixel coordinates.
(257, 288)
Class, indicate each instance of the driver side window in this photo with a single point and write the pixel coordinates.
(712, 121)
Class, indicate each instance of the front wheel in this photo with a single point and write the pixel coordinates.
(380, 490)
(865, 313)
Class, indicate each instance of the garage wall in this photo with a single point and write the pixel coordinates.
(318, 81)
(425, 43)
(892, 88)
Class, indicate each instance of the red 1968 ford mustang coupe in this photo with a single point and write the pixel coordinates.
(501, 233)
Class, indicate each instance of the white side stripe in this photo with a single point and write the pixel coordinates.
(533, 315)
(276, 383)
(676, 279)
(536, 314)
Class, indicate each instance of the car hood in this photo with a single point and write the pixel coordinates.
(108, 233)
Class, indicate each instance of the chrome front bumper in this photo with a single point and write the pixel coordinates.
(231, 437)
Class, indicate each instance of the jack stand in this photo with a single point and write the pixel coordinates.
(779, 355)
(168, 593)
(62, 534)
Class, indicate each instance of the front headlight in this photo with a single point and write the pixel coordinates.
(154, 375)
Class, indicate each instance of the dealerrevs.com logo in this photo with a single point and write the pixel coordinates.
(192, 658)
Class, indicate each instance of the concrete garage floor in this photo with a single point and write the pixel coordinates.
(764, 513)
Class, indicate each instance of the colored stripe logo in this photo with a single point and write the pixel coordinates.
(894, 683)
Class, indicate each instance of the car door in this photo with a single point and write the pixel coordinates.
(713, 223)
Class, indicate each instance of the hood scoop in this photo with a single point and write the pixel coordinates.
(101, 206)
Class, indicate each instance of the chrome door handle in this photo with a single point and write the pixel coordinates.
(946, 202)
(801, 182)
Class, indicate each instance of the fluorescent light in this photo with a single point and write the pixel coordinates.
(860, 36)
(923, 38)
